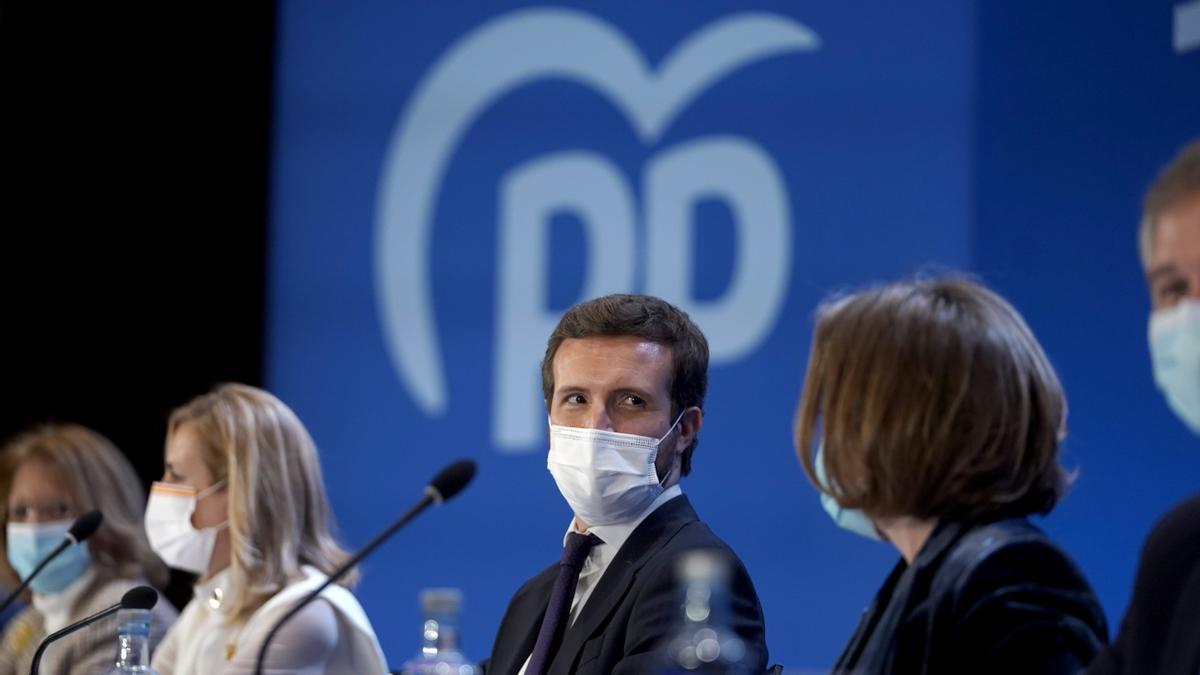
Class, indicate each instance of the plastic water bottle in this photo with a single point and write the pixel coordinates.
(703, 641)
(439, 635)
(133, 642)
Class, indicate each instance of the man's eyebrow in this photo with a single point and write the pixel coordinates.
(1163, 270)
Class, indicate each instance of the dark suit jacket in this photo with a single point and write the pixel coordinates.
(1160, 634)
(980, 598)
(633, 607)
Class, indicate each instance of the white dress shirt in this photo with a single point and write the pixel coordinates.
(601, 556)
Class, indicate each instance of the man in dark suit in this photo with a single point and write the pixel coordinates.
(1160, 634)
(624, 378)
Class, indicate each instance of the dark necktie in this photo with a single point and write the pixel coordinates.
(554, 623)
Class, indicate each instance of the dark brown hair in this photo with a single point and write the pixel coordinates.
(934, 400)
(648, 318)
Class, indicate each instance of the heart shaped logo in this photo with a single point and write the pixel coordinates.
(502, 55)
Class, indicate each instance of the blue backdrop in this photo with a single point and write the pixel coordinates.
(447, 178)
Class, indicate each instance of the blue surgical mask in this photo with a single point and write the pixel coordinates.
(30, 543)
(853, 520)
(1175, 353)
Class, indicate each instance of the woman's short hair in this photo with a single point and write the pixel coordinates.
(279, 515)
(933, 400)
(99, 478)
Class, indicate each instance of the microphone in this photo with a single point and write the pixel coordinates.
(450, 481)
(140, 597)
(445, 485)
(83, 527)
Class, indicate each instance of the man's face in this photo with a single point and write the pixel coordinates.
(1174, 272)
(619, 384)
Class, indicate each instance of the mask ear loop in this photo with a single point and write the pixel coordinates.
(208, 492)
(662, 482)
(673, 425)
(212, 489)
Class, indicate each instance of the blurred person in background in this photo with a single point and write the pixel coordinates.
(49, 477)
(243, 505)
(930, 418)
(1161, 629)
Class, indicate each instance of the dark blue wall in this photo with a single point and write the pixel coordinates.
(1006, 138)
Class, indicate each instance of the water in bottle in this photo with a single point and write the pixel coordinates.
(439, 635)
(702, 641)
(133, 643)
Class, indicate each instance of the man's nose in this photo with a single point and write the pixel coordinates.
(598, 418)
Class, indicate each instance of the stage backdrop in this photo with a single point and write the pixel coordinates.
(449, 177)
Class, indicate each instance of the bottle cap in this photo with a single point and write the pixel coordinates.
(441, 600)
(703, 565)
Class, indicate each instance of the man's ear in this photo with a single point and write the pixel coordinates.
(689, 427)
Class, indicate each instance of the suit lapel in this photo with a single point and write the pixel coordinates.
(521, 624)
(650, 536)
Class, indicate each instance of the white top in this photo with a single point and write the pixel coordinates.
(602, 555)
(330, 636)
(56, 607)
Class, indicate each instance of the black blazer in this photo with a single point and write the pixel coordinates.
(986, 598)
(633, 607)
(1160, 634)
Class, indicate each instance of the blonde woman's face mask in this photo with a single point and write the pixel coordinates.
(169, 526)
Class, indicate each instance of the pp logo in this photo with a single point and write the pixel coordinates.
(525, 46)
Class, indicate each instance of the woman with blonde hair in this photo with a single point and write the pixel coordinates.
(931, 419)
(243, 505)
(49, 477)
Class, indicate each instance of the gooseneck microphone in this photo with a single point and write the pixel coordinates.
(448, 483)
(140, 597)
(83, 527)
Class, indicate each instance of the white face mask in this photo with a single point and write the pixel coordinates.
(1175, 353)
(169, 526)
(606, 477)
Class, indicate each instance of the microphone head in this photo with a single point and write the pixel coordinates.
(85, 526)
(451, 480)
(140, 597)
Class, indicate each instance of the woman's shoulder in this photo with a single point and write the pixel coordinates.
(333, 626)
(339, 599)
(1012, 563)
(1006, 593)
(107, 591)
(315, 626)
(308, 639)
(1011, 541)
(1010, 556)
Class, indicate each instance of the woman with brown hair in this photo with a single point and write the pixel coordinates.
(931, 418)
(243, 505)
(48, 477)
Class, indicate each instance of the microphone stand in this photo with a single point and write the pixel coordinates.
(430, 497)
